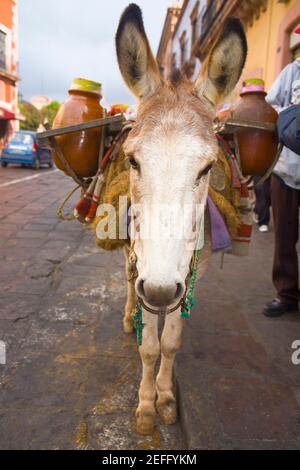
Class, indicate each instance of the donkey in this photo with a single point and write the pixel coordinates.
(171, 150)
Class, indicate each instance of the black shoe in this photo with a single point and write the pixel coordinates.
(276, 308)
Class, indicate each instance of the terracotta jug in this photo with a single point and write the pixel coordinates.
(81, 149)
(257, 148)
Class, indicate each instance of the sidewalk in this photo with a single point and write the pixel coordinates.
(238, 386)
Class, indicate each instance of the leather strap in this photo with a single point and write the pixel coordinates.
(164, 312)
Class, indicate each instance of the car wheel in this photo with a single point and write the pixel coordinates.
(50, 164)
(4, 164)
(37, 164)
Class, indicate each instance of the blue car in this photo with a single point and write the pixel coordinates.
(22, 148)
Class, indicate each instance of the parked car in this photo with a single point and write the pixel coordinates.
(22, 148)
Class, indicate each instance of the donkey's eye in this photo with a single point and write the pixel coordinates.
(133, 163)
(203, 173)
(206, 170)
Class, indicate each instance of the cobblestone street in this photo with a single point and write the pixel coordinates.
(71, 377)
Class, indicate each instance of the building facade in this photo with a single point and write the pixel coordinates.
(8, 66)
(165, 53)
(269, 26)
(187, 31)
(39, 102)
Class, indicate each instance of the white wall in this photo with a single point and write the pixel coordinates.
(185, 25)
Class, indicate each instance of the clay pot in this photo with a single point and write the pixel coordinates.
(81, 149)
(257, 148)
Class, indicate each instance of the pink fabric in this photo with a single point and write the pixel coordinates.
(252, 88)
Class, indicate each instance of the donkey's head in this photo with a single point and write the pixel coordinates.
(171, 150)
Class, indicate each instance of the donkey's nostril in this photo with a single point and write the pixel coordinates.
(179, 291)
(140, 287)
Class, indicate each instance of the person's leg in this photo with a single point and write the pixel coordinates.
(285, 204)
(263, 201)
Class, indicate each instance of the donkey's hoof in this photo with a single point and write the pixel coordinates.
(128, 326)
(145, 423)
(167, 411)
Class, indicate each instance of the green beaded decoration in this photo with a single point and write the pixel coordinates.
(138, 323)
(190, 302)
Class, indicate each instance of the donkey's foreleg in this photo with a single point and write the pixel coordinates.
(131, 295)
(129, 307)
(170, 343)
(149, 352)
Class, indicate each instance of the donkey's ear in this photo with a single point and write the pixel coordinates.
(136, 61)
(225, 63)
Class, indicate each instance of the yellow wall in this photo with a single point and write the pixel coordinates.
(263, 41)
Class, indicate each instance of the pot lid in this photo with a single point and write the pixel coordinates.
(253, 85)
(82, 84)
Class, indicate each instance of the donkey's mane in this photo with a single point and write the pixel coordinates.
(175, 76)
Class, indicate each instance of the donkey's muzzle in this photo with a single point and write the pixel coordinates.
(159, 295)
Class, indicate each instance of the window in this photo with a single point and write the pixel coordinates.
(194, 22)
(194, 30)
(295, 45)
(183, 48)
(21, 138)
(2, 91)
(174, 61)
(2, 50)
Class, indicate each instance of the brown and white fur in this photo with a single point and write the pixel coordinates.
(171, 150)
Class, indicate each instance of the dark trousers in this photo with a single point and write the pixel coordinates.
(285, 204)
(263, 201)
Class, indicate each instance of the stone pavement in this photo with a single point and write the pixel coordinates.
(72, 376)
(238, 386)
